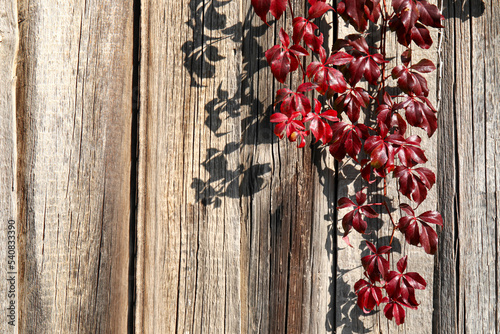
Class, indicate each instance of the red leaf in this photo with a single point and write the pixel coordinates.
(402, 286)
(408, 13)
(420, 113)
(409, 151)
(347, 139)
(318, 9)
(417, 230)
(320, 128)
(298, 50)
(283, 59)
(424, 66)
(393, 309)
(414, 183)
(353, 11)
(306, 86)
(284, 39)
(380, 152)
(421, 36)
(376, 266)
(429, 14)
(368, 294)
(328, 79)
(352, 101)
(304, 29)
(278, 7)
(354, 218)
(261, 8)
(339, 58)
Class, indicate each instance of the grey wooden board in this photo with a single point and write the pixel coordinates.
(74, 111)
(188, 230)
(468, 270)
(9, 291)
(287, 204)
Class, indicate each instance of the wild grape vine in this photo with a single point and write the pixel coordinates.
(400, 100)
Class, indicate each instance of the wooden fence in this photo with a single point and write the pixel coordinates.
(142, 188)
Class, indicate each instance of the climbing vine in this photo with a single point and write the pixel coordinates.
(380, 146)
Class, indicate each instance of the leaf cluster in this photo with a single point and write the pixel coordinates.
(339, 74)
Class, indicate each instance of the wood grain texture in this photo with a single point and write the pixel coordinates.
(470, 305)
(286, 200)
(188, 229)
(8, 194)
(74, 110)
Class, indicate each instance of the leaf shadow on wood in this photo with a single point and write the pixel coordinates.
(349, 317)
(463, 9)
(201, 54)
(209, 27)
(225, 182)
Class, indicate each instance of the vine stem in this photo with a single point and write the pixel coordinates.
(394, 227)
(291, 10)
(383, 50)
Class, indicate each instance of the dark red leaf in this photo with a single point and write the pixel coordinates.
(353, 11)
(339, 58)
(400, 285)
(278, 7)
(261, 8)
(417, 230)
(306, 86)
(304, 29)
(429, 14)
(406, 57)
(319, 127)
(380, 151)
(294, 102)
(328, 79)
(424, 66)
(368, 294)
(408, 150)
(394, 309)
(318, 9)
(347, 139)
(376, 266)
(414, 182)
(354, 218)
(420, 113)
(352, 101)
(421, 36)
(408, 13)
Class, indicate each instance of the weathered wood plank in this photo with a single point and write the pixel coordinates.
(188, 278)
(476, 101)
(446, 276)
(74, 107)
(8, 194)
(286, 238)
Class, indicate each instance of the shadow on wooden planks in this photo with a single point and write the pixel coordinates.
(200, 56)
(463, 9)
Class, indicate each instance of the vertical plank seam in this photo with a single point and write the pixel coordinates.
(134, 177)
(457, 184)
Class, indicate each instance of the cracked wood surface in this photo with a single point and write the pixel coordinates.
(8, 193)
(188, 228)
(74, 110)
